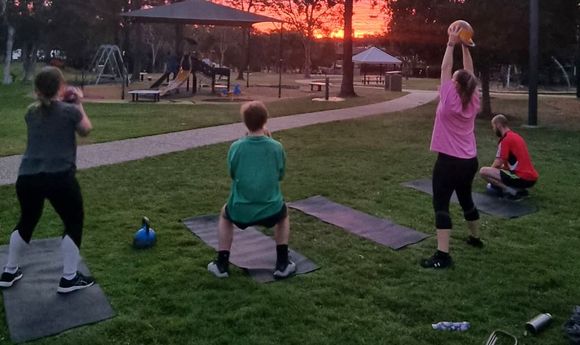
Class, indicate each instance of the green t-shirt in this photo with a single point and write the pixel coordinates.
(256, 166)
(52, 145)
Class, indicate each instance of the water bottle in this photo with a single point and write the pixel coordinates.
(539, 323)
(451, 326)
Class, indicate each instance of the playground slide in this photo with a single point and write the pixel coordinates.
(160, 81)
(181, 79)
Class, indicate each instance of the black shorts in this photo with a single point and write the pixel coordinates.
(268, 222)
(512, 180)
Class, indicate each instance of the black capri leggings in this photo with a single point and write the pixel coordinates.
(453, 175)
(63, 192)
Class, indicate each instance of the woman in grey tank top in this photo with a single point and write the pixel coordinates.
(47, 172)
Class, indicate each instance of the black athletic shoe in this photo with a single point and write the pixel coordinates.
(437, 261)
(79, 282)
(285, 271)
(474, 242)
(519, 196)
(8, 279)
(493, 190)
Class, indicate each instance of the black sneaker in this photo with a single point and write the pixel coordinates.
(437, 261)
(79, 282)
(494, 190)
(8, 279)
(285, 271)
(519, 196)
(524, 193)
(474, 242)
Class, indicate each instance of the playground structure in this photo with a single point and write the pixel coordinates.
(183, 77)
(206, 13)
(108, 64)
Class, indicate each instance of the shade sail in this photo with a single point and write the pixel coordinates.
(375, 56)
(200, 12)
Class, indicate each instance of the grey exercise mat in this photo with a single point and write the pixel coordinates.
(379, 230)
(251, 250)
(33, 307)
(485, 203)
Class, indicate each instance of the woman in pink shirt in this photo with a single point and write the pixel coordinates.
(454, 141)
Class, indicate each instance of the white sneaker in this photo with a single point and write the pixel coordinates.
(288, 271)
(213, 268)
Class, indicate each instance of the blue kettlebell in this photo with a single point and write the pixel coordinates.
(144, 237)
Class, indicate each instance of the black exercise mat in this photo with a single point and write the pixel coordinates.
(485, 203)
(251, 250)
(33, 307)
(376, 229)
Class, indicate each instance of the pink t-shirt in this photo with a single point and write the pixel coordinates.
(454, 130)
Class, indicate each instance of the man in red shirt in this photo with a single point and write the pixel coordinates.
(512, 172)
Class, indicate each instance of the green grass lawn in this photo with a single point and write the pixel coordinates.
(122, 121)
(421, 84)
(364, 293)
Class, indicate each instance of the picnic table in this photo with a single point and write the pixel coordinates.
(318, 84)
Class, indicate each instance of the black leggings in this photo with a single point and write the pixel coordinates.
(63, 192)
(453, 175)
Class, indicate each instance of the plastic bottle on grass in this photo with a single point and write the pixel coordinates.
(451, 326)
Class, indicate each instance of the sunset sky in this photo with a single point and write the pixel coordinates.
(366, 21)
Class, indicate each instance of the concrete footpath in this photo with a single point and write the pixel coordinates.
(116, 152)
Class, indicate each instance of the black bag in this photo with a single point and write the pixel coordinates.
(572, 327)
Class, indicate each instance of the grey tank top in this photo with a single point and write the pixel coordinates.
(51, 146)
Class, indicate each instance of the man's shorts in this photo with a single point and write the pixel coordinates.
(510, 179)
(268, 222)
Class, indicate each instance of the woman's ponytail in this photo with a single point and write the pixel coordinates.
(467, 86)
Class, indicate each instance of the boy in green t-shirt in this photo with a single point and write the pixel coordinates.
(256, 165)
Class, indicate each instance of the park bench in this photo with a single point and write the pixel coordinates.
(136, 93)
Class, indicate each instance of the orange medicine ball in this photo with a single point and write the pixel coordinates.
(466, 33)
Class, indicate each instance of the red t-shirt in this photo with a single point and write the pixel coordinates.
(512, 149)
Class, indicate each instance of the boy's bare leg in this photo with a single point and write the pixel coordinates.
(225, 232)
(282, 231)
(220, 267)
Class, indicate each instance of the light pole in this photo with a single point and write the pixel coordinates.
(533, 72)
(578, 51)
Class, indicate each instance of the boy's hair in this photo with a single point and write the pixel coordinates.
(47, 84)
(500, 119)
(254, 115)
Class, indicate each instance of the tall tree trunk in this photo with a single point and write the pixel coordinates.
(486, 97)
(222, 47)
(7, 80)
(307, 57)
(137, 55)
(578, 74)
(578, 58)
(347, 87)
(243, 63)
(154, 51)
(179, 40)
(29, 61)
